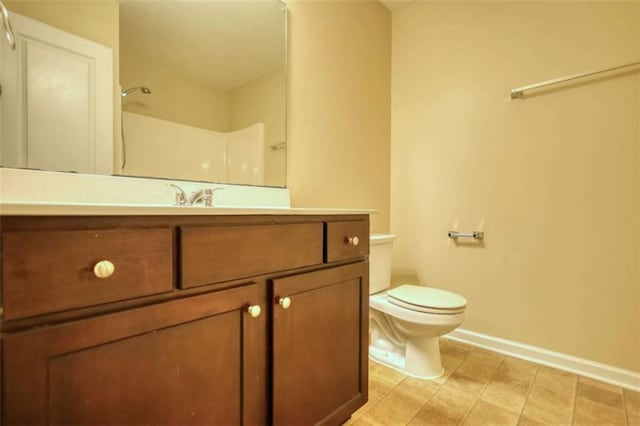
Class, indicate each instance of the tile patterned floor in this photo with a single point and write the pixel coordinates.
(481, 387)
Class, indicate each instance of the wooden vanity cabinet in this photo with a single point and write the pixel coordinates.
(197, 352)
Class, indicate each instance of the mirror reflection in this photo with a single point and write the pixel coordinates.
(189, 90)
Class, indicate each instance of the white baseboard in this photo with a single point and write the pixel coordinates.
(583, 367)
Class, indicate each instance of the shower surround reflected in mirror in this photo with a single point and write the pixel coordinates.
(123, 140)
(214, 108)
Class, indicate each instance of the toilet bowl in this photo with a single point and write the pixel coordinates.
(405, 322)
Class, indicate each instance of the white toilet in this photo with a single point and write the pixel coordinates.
(405, 322)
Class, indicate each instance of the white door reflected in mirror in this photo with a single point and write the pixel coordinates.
(57, 106)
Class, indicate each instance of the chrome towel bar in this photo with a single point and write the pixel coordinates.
(478, 235)
(518, 92)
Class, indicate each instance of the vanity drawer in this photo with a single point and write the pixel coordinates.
(49, 271)
(341, 240)
(221, 253)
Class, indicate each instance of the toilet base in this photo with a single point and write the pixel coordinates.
(421, 358)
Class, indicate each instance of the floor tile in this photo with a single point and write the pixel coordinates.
(598, 402)
(510, 384)
(373, 366)
(551, 397)
(418, 422)
(452, 402)
(401, 404)
(515, 371)
(589, 412)
(508, 396)
(526, 421)
(462, 346)
(547, 411)
(558, 383)
(462, 384)
(450, 364)
(632, 401)
(632, 405)
(362, 410)
(600, 385)
(389, 374)
(381, 383)
(362, 421)
(606, 395)
(482, 387)
(454, 349)
(485, 413)
(440, 412)
(425, 389)
(480, 365)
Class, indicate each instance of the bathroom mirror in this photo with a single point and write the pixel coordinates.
(196, 89)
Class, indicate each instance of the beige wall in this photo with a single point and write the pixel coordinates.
(263, 101)
(174, 97)
(552, 179)
(338, 120)
(96, 20)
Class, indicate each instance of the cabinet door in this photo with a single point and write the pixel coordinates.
(197, 360)
(320, 345)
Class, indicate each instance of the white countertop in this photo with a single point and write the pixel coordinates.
(41, 193)
(83, 209)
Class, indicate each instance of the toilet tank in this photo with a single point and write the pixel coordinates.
(380, 262)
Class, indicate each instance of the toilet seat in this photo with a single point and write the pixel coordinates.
(427, 300)
(381, 302)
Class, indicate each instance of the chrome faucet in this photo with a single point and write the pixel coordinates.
(203, 197)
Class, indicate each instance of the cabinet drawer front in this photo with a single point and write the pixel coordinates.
(338, 245)
(216, 253)
(51, 271)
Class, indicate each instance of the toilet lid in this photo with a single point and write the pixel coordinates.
(427, 299)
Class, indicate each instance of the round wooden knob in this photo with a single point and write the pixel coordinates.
(254, 310)
(104, 269)
(285, 302)
(353, 241)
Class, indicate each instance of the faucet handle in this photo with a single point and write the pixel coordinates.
(207, 197)
(181, 197)
(203, 196)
